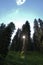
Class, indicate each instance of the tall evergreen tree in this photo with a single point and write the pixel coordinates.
(6, 38)
(26, 32)
(16, 42)
(36, 36)
(41, 34)
(2, 28)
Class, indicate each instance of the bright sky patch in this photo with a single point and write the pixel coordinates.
(20, 2)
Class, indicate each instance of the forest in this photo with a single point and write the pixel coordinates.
(22, 41)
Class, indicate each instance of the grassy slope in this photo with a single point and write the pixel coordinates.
(32, 58)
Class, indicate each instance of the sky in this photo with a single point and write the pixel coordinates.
(18, 11)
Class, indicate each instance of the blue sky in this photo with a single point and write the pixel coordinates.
(19, 11)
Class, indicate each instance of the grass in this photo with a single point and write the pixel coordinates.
(31, 58)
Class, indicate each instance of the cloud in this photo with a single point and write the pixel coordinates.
(20, 2)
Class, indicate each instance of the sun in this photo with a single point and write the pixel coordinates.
(20, 2)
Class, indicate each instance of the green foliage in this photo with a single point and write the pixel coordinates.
(31, 58)
(21, 57)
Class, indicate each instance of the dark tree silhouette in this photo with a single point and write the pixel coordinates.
(6, 38)
(41, 34)
(16, 42)
(26, 32)
(36, 36)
